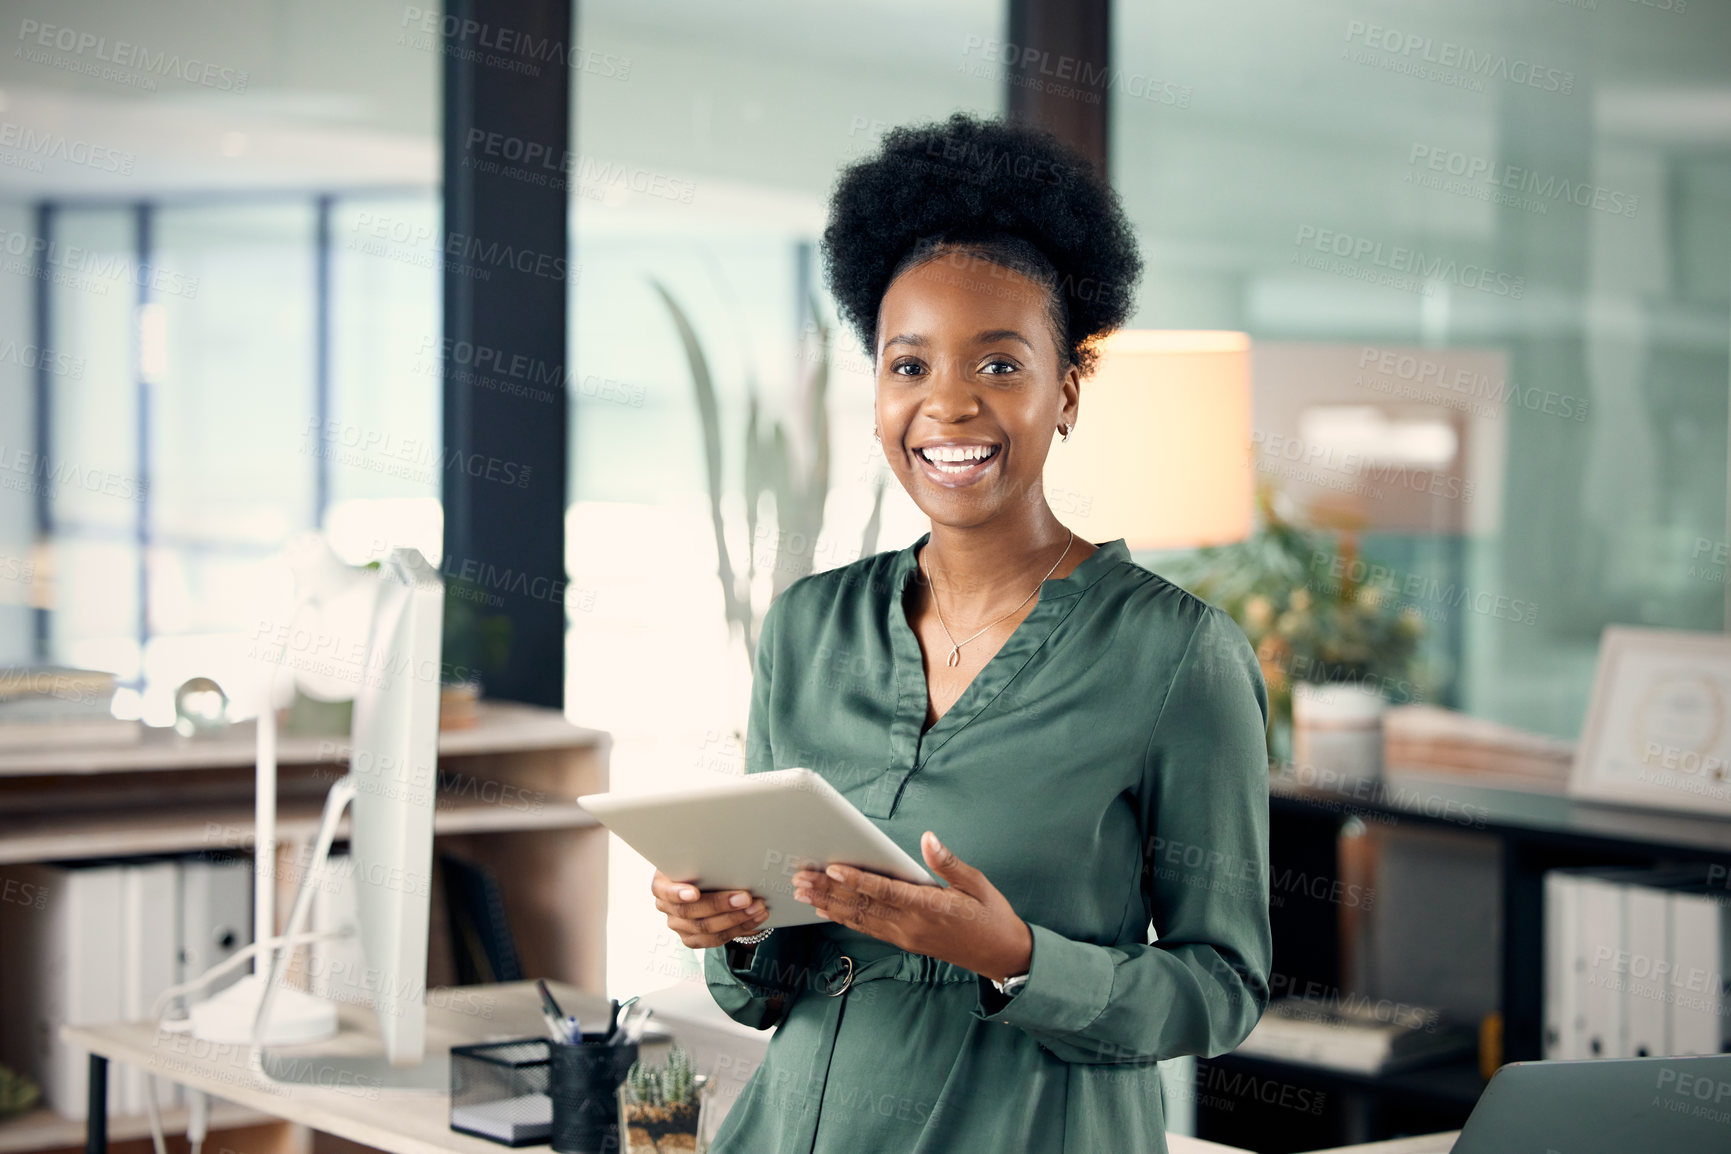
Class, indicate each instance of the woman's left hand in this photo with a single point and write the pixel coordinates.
(967, 923)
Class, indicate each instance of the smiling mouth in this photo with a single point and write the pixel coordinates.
(954, 466)
(959, 462)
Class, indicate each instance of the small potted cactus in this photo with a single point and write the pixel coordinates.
(661, 1107)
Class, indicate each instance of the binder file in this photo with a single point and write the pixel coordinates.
(149, 957)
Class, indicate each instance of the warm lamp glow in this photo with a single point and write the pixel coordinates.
(1161, 451)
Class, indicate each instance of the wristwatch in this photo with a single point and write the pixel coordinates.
(1009, 985)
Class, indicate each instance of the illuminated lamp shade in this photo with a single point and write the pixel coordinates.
(1160, 455)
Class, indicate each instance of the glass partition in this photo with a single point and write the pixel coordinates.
(184, 224)
(1506, 225)
(698, 194)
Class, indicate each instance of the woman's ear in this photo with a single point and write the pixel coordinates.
(1071, 387)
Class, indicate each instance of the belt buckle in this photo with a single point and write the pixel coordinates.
(846, 981)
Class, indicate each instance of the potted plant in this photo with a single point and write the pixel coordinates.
(661, 1108)
(1301, 598)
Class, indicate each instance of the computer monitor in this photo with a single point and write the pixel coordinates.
(1604, 1106)
(391, 787)
(393, 764)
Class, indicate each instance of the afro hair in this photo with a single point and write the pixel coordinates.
(1012, 195)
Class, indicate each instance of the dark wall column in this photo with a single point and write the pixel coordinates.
(507, 73)
(1059, 79)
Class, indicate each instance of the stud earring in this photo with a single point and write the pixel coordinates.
(875, 435)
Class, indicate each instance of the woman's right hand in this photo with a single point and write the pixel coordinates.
(706, 919)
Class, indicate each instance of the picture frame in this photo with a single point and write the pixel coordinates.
(1658, 728)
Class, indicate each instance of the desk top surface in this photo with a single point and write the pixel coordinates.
(398, 1121)
(1423, 1144)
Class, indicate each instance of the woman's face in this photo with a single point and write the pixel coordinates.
(969, 392)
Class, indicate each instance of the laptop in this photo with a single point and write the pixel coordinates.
(1612, 1106)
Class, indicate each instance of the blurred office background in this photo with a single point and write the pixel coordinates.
(282, 366)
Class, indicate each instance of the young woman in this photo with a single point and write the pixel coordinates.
(1073, 744)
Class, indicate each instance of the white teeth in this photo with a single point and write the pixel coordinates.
(937, 453)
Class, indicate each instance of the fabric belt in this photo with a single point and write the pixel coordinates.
(837, 967)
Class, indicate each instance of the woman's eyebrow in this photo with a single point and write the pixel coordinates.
(991, 335)
(985, 338)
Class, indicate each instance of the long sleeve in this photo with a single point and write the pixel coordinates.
(1200, 987)
(754, 986)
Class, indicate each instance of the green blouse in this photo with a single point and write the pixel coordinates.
(1107, 772)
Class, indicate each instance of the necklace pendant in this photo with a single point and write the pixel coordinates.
(955, 656)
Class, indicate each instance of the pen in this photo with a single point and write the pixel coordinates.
(549, 1006)
(635, 1020)
(621, 1011)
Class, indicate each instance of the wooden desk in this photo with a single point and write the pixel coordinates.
(400, 1122)
(1423, 1144)
(406, 1122)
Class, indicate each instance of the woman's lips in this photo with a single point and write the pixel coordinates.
(955, 474)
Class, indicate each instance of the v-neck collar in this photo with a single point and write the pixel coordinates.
(909, 747)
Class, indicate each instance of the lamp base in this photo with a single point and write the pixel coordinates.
(296, 1017)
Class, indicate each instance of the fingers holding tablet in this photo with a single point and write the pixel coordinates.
(704, 919)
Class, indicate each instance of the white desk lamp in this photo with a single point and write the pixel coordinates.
(343, 597)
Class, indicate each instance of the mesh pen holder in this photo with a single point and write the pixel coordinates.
(584, 1087)
(499, 1091)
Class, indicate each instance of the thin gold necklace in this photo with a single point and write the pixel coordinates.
(956, 646)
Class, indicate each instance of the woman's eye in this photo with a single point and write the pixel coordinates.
(998, 368)
(899, 366)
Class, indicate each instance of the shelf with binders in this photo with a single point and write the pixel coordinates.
(503, 793)
(1520, 835)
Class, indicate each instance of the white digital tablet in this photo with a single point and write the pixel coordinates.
(753, 833)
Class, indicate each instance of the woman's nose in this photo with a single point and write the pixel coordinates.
(951, 396)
